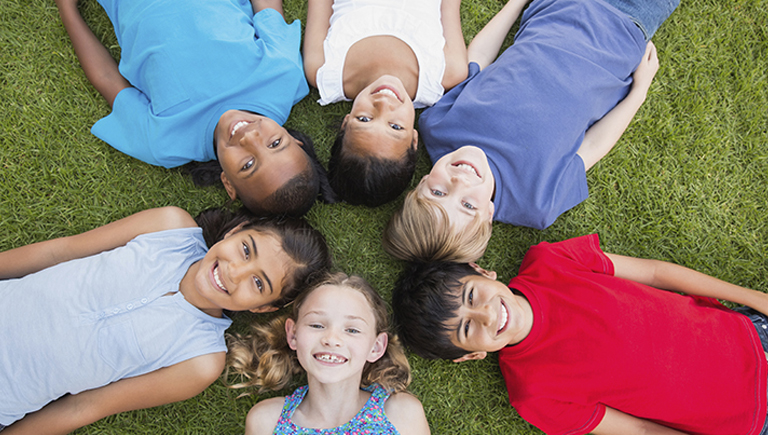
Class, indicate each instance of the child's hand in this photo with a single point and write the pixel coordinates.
(647, 69)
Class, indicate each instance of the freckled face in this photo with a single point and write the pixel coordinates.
(381, 122)
(335, 335)
(243, 272)
(462, 182)
(257, 155)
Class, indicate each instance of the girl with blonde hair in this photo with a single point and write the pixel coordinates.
(356, 369)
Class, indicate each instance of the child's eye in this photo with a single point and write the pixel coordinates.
(466, 328)
(246, 251)
(353, 330)
(363, 119)
(247, 165)
(259, 284)
(315, 326)
(468, 205)
(396, 126)
(471, 297)
(436, 192)
(274, 144)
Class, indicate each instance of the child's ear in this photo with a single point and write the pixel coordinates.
(235, 230)
(290, 333)
(491, 209)
(472, 356)
(264, 309)
(415, 143)
(344, 122)
(228, 186)
(379, 347)
(488, 274)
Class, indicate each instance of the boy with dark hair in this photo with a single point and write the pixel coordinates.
(587, 344)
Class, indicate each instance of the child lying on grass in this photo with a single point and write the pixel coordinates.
(513, 142)
(587, 344)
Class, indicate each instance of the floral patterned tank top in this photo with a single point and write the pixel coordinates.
(370, 420)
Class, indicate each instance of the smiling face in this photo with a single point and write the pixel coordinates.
(245, 271)
(463, 184)
(490, 316)
(335, 335)
(257, 155)
(381, 122)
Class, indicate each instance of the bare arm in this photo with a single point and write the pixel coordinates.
(318, 21)
(263, 416)
(486, 44)
(455, 49)
(38, 256)
(260, 5)
(617, 422)
(673, 277)
(406, 414)
(604, 134)
(167, 385)
(98, 65)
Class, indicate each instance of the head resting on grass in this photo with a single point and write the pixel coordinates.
(420, 230)
(304, 245)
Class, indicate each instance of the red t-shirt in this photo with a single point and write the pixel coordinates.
(682, 361)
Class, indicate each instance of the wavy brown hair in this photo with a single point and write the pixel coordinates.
(265, 362)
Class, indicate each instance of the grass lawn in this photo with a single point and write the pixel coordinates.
(688, 183)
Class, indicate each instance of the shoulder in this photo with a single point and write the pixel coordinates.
(174, 217)
(205, 368)
(263, 416)
(406, 413)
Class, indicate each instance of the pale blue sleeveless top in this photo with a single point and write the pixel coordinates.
(88, 322)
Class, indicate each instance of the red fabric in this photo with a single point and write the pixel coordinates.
(685, 362)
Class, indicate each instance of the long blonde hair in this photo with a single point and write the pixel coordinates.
(421, 231)
(264, 360)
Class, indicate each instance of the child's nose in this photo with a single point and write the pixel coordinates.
(237, 270)
(331, 338)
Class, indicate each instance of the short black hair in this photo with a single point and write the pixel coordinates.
(294, 198)
(368, 180)
(425, 301)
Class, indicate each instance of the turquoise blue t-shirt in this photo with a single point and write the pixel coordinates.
(571, 63)
(191, 61)
(92, 321)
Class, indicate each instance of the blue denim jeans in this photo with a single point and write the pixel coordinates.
(648, 15)
(761, 324)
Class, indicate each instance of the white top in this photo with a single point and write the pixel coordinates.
(415, 22)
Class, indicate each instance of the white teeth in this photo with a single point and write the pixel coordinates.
(330, 358)
(468, 168)
(387, 91)
(237, 126)
(504, 316)
(217, 279)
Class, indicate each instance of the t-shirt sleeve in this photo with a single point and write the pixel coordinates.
(270, 27)
(126, 128)
(559, 418)
(583, 251)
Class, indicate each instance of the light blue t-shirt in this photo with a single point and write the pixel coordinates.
(571, 63)
(89, 322)
(189, 62)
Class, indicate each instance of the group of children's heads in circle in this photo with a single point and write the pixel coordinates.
(268, 258)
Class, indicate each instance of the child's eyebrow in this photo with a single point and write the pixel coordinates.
(255, 255)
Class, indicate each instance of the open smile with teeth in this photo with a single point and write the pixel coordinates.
(387, 91)
(238, 126)
(503, 317)
(467, 168)
(330, 358)
(217, 279)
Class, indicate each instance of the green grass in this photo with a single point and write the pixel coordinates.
(687, 183)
